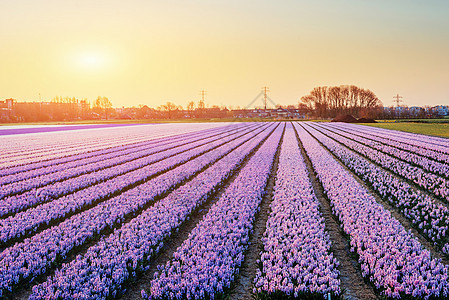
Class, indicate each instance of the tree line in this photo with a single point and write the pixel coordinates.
(73, 109)
(321, 102)
(331, 101)
(59, 109)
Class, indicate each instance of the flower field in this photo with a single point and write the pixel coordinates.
(170, 211)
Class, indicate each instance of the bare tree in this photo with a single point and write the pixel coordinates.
(102, 104)
(169, 108)
(201, 109)
(345, 99)
(191, 108)
(201, 104)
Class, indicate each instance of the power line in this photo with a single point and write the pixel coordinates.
(263, 93)
(398, 99)
(254, 100)
(272, 102)
(265, 90)
(202, 95)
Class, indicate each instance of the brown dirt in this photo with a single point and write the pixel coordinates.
(56, 221)
(243, 286)
(345, 119)
(352, 282)
(396, 213)
(414, 186)
(134, 289)
(133, 292)
(24, 291)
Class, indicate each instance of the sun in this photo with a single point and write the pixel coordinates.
(92, 60)
(96, 62)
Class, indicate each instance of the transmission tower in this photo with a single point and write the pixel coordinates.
(398, 99)
(265, 90)
(202, 95)
(265, 99)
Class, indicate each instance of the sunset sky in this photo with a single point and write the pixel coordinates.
(150, 52)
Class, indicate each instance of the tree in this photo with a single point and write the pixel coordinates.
(102, 105)
(201, 109)
(170, 109)
(191, 108)
(201, 104)
(344, 99)
(144, 112)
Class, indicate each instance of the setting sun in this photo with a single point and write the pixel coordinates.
(91, 61)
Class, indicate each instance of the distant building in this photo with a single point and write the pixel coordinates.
(6, 110)
(440, 110)
(400, 109)
(296, 113)
(211, 112)
(276, 113)
(416, 111)
(280, 113)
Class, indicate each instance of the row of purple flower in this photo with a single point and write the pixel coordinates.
(416, 159)
(435, 143)
(17, 151)
(296, 259)
(33, 219)
(35, 255)
(56, 187)
(105, 157)
(391, 258)
(417, 147)
(100, 171)
(53, 146)
(207, 261)
(106, 267)
(429, 216)
(433, 183)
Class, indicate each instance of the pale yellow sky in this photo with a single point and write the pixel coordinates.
(150, 52)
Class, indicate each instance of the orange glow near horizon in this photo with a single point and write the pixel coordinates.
(151, 52)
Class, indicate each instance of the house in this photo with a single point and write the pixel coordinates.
(276, 113)
(6, 110)
(440, 110)
(416, 111)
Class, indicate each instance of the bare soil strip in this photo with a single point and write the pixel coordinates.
(396, 213)
(243, 286)
(361, 134)
(234, 131)
(172, 244)
(410, 182)
(134, 289)
(352, 283)
(57, 221)
(166, 253)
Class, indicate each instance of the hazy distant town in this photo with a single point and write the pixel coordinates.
(321, 103)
